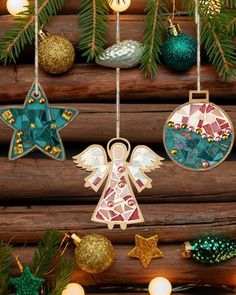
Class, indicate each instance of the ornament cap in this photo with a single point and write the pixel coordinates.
(173, 29)
(76, 239)
(43, 34)
(187, 250)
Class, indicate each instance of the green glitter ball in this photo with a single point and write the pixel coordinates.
(179, 53)
(210, 249)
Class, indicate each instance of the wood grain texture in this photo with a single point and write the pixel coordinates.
(140, 123)
(131, 27)
(40, 179)
(89, 83)
(172, 266)
(172, 222)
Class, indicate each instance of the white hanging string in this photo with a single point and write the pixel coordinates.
(198, 22)
(117, 79)
(36, 47)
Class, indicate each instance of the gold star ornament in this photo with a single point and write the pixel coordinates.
(145, 249)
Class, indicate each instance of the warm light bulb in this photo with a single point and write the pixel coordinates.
(119, 5)
(160, 286)
(73, 289)
(16, 6)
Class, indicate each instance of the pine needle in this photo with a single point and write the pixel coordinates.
(46, 252)
(5, 265)
(153, 40)
(93, 23)
(14, 41)
(217, 34)
(63, 276)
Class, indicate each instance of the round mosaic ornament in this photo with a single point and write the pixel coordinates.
(198, 135)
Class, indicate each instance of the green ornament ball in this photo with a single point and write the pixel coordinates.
(210, 249)
(179, 53)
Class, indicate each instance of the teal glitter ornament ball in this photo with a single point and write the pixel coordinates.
(179, 51)
(210, 250)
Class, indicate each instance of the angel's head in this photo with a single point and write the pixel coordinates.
(119, 151)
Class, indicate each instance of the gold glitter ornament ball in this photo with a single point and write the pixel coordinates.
(94, 253)
(56, 53)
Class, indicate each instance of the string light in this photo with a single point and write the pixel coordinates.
(73, 289)
(119, 5)
(16, 6)
(160, 286)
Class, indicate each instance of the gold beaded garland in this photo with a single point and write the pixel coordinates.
(56, 53)
(93, 253)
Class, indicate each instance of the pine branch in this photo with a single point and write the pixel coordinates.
(93, 22)
(154, 28)
(46, 252)
(15, 39)
(5, 265)
(63, 276)
(231, 25)
(220, 50)
(217, 37)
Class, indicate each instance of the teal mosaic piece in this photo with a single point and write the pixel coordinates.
(27, 284)
(192, 151)
(37, 125)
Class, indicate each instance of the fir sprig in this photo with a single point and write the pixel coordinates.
(153, 40)
(93, 23)
(5, 265)
(220, 50)
(217, 33)
(46, 252)
(15, 39)
(63, 275)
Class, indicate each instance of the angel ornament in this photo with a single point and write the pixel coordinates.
(118, 204)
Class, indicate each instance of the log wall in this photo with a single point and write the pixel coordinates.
(37, 193)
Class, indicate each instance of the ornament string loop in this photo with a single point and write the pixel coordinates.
(36, 47)
(198, 23)
(19, 264)
(117, 79)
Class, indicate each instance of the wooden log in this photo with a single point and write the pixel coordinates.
(131, 27)
(150, 119)
(72, 7)
(34, 179)
(128, 271)
(172, 222)
(93, 83)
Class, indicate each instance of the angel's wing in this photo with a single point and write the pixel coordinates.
(93, 159)
(143, 159)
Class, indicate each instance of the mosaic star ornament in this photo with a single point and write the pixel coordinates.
(37, 125)
(198, 135)
(210, 250)
(145, 249)
(27, 284)
(118, 204)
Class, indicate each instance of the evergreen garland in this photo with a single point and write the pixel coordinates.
(63, 275)
(93, 23)
(153, 40)
(5, 265)
(217, 32)
(15, 39)
(46, 253)
(45, 256)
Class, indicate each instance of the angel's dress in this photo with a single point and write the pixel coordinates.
(118, 204)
